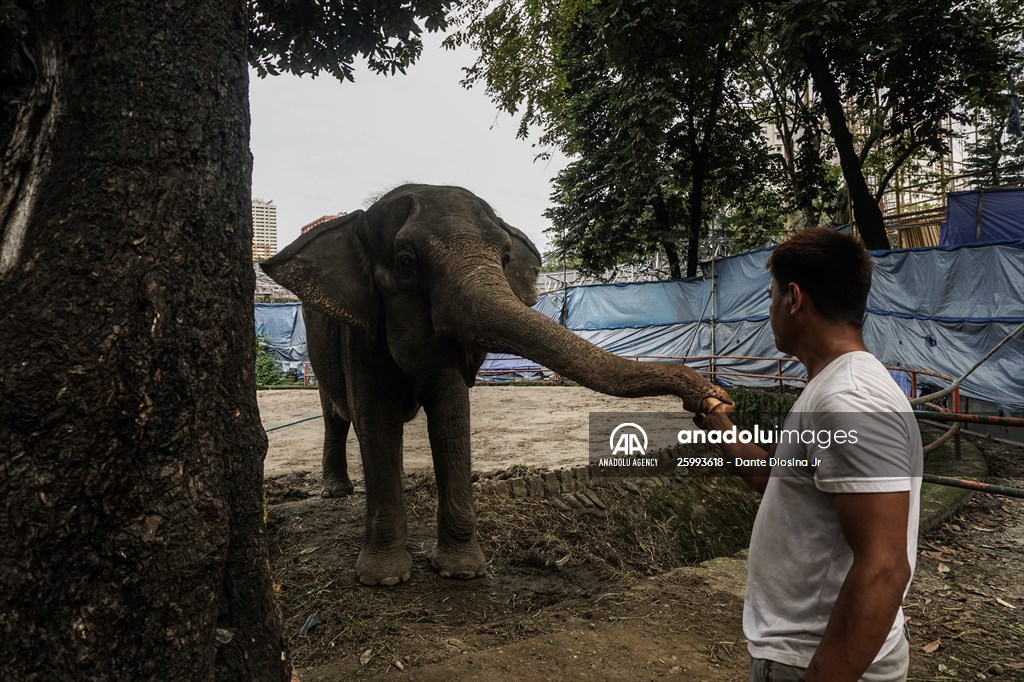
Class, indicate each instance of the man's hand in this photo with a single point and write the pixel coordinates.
(720, 419)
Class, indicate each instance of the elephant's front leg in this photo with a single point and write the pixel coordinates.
(445, 400)
(384, 559)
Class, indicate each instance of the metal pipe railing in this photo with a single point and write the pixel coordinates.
(978, 486)
(964, 417)
(936, 412)
(952, 432)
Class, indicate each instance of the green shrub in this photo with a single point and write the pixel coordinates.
(767, 409)
(267, 371)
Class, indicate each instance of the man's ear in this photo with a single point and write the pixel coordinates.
(797, 297)
(523, 265)
(329, 269)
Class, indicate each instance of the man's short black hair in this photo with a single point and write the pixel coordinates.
(830, 267)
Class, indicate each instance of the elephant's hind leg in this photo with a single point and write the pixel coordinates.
(457, 553)
(335, 461)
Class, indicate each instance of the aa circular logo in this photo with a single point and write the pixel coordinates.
(628, 439)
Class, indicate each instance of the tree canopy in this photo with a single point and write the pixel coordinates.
(644, 97)
(313, 36)
(996, 157)
(898, 71)
(659, 104)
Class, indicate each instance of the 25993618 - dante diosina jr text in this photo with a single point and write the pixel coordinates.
(763, 462)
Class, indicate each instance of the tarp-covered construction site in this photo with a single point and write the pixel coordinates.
(940, 309)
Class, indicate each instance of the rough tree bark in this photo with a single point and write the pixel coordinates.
(869, 215)
(131, 453)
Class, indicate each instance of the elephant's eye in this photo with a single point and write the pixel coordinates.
(405, 262)
(505, 259)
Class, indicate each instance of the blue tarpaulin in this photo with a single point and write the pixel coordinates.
(283, 331)
(938, 309)
(989, 215)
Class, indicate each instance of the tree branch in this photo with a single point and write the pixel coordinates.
(900, 160)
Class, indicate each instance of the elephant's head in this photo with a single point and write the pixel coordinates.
(435, 274)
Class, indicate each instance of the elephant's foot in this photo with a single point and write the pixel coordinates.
(463, 561)
(383, 567)
(337, 486)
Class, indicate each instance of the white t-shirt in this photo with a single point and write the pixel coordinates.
(799, 556)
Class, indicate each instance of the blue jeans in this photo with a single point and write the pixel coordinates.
(892, 668)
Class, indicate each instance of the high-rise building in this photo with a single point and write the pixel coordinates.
(264, 229)
(322, 219)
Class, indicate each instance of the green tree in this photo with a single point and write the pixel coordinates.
(801, 146)
(614, 203)
(643, 97)
(316, 36)
(996, 156)
(898, 70)
(130, 442)
(754, 209)
(887, 78)
(268, 372)
(518, 45)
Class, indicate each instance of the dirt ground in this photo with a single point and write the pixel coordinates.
(534, 426)
(576, 596)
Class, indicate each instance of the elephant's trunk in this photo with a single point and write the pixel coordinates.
(498, 322)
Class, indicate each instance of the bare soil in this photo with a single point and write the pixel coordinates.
(965, 609)
(533, 426)
(584, 596)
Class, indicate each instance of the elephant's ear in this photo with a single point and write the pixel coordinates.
(523, 266)
(328, 269)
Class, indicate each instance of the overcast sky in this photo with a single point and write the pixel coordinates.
(322, 147)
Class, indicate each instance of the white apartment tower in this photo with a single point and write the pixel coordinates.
(264, 229)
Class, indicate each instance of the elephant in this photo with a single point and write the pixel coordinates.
(402, 302)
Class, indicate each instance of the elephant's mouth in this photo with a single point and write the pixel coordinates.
(454, 352)
(466, 359)
(470, 365)
(440, 353)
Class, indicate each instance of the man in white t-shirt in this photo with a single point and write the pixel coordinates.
(833, 547)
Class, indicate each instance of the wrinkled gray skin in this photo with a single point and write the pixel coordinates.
(402, 302)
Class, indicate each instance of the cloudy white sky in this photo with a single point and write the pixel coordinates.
(322, 147)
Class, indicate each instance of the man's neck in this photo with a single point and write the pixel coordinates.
(827, 343)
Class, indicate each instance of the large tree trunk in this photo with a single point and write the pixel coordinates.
(696, 211)
(131, 514)
(666, 223)
(865, 208)
(700, 155)
(672, 256)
